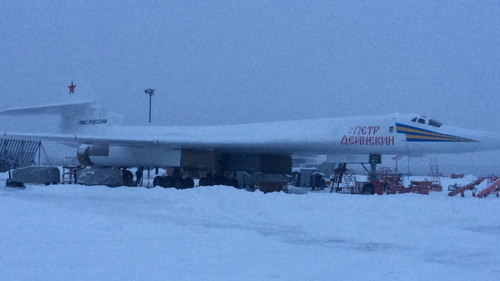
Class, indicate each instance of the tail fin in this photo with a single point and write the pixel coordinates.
(74, 117)
(76, 109)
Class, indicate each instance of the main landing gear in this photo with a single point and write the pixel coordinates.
(372, 186)
(175, 179)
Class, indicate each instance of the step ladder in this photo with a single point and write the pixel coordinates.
(435, 176)
(494, 187)
(337, 177)
(351, 185)
(470, 186)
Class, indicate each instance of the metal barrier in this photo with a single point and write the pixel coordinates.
(17, 153)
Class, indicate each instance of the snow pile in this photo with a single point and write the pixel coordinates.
(71, 232)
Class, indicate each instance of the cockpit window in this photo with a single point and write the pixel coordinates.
(425, 120)
(435, 123)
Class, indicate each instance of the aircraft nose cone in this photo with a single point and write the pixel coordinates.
(489, 141)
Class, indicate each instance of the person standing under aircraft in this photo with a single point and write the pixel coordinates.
(138, 175)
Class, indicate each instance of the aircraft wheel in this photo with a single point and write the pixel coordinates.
(158, 181)
(128, 178)
(171, 182)
(203, 181)
(368, 189)
(187, 183)
(206, 181)
(234, 183)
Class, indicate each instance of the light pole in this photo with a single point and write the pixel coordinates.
(150, 92)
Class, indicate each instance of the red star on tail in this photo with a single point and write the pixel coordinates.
(72, 88)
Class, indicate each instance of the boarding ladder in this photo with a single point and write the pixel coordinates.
(351, 184)
(337, 177)
(492, 188)
(435, 176)
(470, 186)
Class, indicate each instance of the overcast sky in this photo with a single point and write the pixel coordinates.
(214, 62)
(217, 62)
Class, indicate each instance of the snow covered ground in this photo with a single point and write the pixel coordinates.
(71, 232)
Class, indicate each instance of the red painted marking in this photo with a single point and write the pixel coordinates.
(72, 88)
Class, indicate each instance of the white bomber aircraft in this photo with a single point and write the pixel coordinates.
(265, 147)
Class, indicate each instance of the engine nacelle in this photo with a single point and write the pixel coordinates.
(104, 155)
(113, 156)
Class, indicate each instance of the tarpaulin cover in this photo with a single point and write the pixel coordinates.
(37, 174)
(109, 177)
